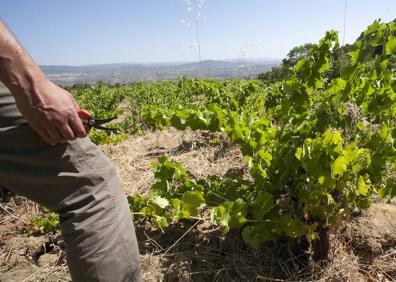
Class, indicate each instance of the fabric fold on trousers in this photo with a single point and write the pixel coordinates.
(77, 181)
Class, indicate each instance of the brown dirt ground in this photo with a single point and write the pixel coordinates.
(364, 249)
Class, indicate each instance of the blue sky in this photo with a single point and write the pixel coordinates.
(82, 32)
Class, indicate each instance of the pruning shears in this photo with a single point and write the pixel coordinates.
(88, 121)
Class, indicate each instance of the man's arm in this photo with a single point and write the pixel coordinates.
(49, 109)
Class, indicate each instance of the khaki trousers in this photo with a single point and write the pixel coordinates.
(77, 181)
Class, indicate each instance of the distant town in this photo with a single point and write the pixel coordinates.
(126, 73)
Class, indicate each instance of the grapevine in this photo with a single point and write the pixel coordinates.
(316, 147)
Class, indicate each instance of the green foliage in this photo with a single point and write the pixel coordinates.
(48, 222)
(174, 195)
(130, 102)
(283, 71)
(105, 137)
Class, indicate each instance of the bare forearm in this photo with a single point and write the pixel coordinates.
(49, 109)
(18, 71)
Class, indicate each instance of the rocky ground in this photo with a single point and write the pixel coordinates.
(364, 249)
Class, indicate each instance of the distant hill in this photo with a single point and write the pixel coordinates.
(124, 73)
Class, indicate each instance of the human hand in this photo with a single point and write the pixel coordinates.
(52, 112)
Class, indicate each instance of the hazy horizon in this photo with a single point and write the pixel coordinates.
(253, 60)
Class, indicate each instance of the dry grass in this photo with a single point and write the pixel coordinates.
(134, 156)
(24, 257)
